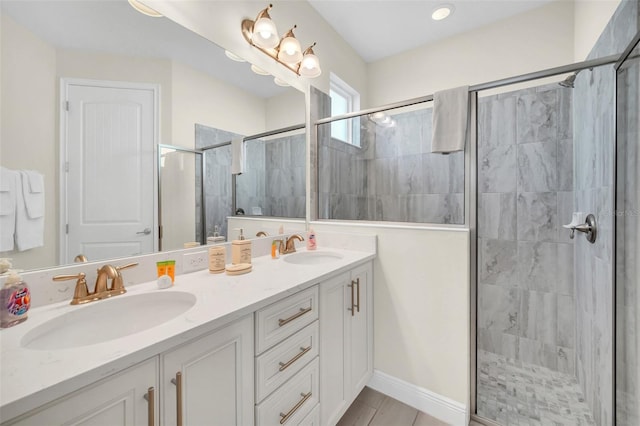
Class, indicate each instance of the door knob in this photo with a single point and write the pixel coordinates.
(146, 231)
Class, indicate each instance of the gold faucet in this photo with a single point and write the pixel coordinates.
(261, 234)
(81, 293)
(290, 246)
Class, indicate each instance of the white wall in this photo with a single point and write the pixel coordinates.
(285, 110)
(28, 123)
(591, 18)
(538, 39)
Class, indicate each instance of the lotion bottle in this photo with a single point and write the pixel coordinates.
(311, 239)
(16, 300)
(240, 250)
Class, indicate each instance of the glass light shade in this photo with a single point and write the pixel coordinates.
(259, 70)
(442, 12)
(280, 82)
(265, 34)
(310, 66)
(290, 51)
(233, 56)
(144, 9)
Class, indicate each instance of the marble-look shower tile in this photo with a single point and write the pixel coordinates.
(298, 150)
(565, 113)
(537, 167)
(539, 317)
(537, 266)
(565, 269)
(387, 142)
(538, 353)
(537, 216)
(443, 208)
(436, 173)
(384, 173)
(497, 121)
(388, 208)
(410, 131)
(566, 325)
(566, 360)
(279, 183)
(456, 172)
(410, 175)
(497, 168)
(498, 308)
(565, 165)
(498, 262)
(299, 177)
(415, 207)
(537, 117)
(497, 216)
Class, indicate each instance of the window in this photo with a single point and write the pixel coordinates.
(344, 99)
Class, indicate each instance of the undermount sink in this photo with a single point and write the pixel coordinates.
(108, 319)
(312, 257)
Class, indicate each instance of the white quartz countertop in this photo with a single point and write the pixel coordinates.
(30, 378)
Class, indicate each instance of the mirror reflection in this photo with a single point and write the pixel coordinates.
(94, 87)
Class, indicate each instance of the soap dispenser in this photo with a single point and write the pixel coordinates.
(15, 298)
(240, 249)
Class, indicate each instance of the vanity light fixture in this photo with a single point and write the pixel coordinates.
(144, 9)
(441, 12)
(262, 34)
(382, 119)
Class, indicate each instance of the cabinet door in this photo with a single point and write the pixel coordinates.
(114, 401)
(360, 338)
(210, 381)
(335, 298)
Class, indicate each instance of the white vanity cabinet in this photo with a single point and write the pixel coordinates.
(210, 381)
(116, 401)
(346, 340)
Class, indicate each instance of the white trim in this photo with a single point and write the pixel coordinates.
(441, 407)
(62, 157)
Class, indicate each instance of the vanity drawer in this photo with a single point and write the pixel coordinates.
(292, 402)
(284, 360)
(280, 320)
(312, 419)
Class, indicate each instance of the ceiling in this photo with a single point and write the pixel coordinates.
(377, 29)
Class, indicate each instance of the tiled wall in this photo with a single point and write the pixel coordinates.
(526, 304)
(627, 245)
(594, 113)
(392, 175)
(274, 177)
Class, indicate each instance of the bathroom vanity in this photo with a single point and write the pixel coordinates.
(289, 343)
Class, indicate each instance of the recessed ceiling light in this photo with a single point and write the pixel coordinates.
(259, 70)
(441, 12)
(144, 9)
(233, 56)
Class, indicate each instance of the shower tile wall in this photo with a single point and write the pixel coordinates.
(217, 180)
(392, 176)
(627, 245)
(285, 162)
(526, 303)
(594, 134)
(250, 185)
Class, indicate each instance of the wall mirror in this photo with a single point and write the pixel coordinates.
(57, 57)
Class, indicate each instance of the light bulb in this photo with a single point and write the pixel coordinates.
(265, 34)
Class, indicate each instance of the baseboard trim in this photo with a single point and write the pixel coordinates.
(435, 405)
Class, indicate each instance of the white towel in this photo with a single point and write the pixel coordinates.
(8, 196)
(29, 213)
(237, 156)
(450, 115)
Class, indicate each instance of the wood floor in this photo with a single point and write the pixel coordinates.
(375, 409)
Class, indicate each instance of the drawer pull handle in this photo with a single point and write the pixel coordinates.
(353, 303)
(302, 311)
(286, 417)
(284, 366)
(358, 294)
(151, 412)
(178, 382)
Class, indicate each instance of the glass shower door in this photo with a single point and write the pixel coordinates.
(628, 239)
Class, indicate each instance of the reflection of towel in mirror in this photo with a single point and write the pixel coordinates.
(450, 115)
(9, 180)
(30, 211)
(237, 156)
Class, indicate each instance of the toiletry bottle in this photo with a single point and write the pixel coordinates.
(240, 249)
(15, 299)
(217, 259)
(311, 239)
(275, 249)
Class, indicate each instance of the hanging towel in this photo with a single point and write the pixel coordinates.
(237, 156)
(450, 115)
(30, 211)
(8, 196)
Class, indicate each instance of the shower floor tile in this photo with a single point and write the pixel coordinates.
(516, 393)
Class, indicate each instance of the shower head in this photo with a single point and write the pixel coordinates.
(569, 81)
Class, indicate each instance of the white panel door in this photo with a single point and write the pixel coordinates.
(110, 178)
